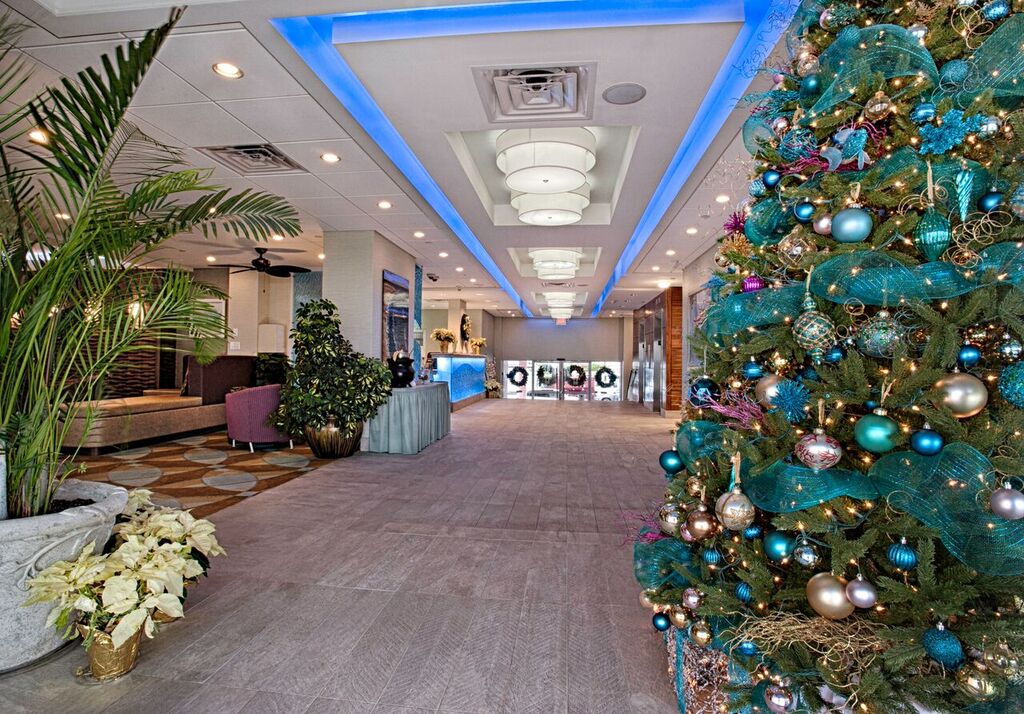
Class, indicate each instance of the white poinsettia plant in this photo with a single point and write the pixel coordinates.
(157, 552)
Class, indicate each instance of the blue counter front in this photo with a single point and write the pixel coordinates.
(464, 375)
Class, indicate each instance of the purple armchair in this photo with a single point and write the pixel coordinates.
(247, 413)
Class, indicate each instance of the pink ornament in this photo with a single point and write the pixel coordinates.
(753, 283)
(818, 451)
(685, 534)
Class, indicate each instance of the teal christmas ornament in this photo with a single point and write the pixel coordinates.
(771, 178)
(995, 10)
(989, 127)
(661, 621)
(879, 336)
(757, 188)
(1011, 384)
(901, 556)
(926, 442)
(942, 646)
(813, 330)
(963, 181)
(968, 356)
(1017, 202)
(852, 225)
(923, 112)
(704, 391)
(752, 532)
(746, 649)
(803, 211)
(778, 545)
(752, 370)
(712, 556)
(954, 72)
(871, 404)
(809, 372)
(744, 593)
(990, 200)
(810, 87)
(834, 354)
(671, 462)
(932, 234)
(791, 398)
(876, 432)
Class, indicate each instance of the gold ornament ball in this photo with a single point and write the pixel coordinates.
(700, 524)
(645, 600)
(963, 394)
(694, 486)
(692, 598)
(701, 634)
(827, 596)
(979, 683)
(679, 617)
(766, 388)
(669, 519)
(734, 510)
(878, 107)
(1001, 659)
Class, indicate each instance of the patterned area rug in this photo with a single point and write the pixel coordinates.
(203, 473)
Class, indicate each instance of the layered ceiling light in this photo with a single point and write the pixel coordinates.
(556, 263)
(551, 209)
(561, 305)
(560, 313)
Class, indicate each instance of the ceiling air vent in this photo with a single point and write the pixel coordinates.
(253, 159)
(512, 94)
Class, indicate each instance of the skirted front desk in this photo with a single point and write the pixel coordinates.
(412, 419)
(464, 375)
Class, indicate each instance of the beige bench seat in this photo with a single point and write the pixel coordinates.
(128, 419)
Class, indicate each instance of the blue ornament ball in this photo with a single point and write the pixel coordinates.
(771, 178)
(703, 391)
(876, 433)
(954, 72)
(744, 593)
(809, 372)
(661, 621)
(871, 404)
(746, 648)
(942, 646)
(852, 225)
(926, 441)
(995, 10)
(810, 86)
(834, 354)
(712, 556)
(757, 188)
(922, 113)
(752, 532)
(753, 370)
(778, 545)
(671, 462)
(968, 356)
(1011, 384)
(803, 211)
(990, 201)
(902, 556)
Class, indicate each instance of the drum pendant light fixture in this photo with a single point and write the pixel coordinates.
(556, 263)
(551, 209)
(547, 161)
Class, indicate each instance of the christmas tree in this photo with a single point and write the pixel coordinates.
(843, 522)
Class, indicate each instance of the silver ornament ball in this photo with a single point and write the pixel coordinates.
(806, 554)
(823, 224)
(826, 595)
(692, 598)
(779, 699)
(861, 593)
(670, 519)
(963, 394)
(1007, 503)
(766, 388)
(734, 510)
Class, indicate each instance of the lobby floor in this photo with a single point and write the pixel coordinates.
(488, 573)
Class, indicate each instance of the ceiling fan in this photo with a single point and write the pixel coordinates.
(261, 265)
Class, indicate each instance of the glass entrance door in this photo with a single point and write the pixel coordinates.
(547, 380)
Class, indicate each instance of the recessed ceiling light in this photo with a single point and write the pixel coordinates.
(39, 136)
(472, 280)
(228, 70)
(419, 234)
(459, 269)
(211, 259)
(384, 204)
(655, 268)
(722, 198)
(62, 216)
(330, 157)
(663, 284)
(321, 256)
(670, 252)
(442, 254)
(277, 236)
(691, 230)
(624, 93)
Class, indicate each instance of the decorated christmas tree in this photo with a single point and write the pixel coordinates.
(843, 527)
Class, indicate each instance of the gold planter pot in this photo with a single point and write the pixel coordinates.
(444, 347)
(105, 662)
(329, 442)
(476, 349)
(163, 618)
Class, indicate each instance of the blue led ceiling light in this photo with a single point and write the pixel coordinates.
(313, 38)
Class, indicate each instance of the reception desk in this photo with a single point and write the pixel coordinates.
(412, 419)
(464, 375)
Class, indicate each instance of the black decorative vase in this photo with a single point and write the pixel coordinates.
(402, 372)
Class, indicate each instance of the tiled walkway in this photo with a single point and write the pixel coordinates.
(486, 574)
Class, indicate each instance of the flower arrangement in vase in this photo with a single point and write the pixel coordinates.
(477, 343)
(444, 336)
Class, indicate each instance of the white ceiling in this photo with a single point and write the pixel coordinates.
(426, 88)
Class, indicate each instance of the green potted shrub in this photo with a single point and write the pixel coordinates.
(331, 389)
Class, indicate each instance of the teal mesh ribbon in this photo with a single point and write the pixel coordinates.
(921, 486)
(758, 309)
(860, 53)
(997, 65)
(784, 487)
(652, 562)
(767, 222)
(697, 439)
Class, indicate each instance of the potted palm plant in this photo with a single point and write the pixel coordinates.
(82, 209)
(331, 389)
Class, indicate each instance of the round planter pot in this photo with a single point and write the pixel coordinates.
(28, 545)
(106, 662)
(329, 442)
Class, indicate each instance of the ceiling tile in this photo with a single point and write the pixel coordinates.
(203, 124)
(295, 186)
(405, 223)
(361, 183)
(192, 57)
(286, 118)
(349, 223)
(72, 57)
(400, 203)
(332, 205)
(162, 86)
(307, 154)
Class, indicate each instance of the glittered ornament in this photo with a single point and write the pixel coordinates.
(826, 594)
(901, 555)
(712, 557)
(918, 30)
(766, 389)
(779, 699)
(778, 545)
(813, 330)
(932, 234)
(922, 113)
(963, 394)
(793, 248)
(926, 442)
(818, 451)
(968, 356)
(1017, 201)
(757, 188)
(752, 370)
(1010, 349)
(1007, 503)
(791, 399)
(878, 107)
(753, 283)
(852, 225)
(734, 509)
(693, 486)
(805, 554)
(876, 432)
(771, 178)
(990, 201)
(834, 354)
(822, 225)
(661, 621)
(803, 211)
(701, 524)
(942, 646)
(692, 598)
(703, 391)
(861, 593)
(954, 73)
(679, 617)
(879, 336)
(746, 648)
(670, 519)
(1011, 384)
(995, 10)
(980, 683)
(744, 593)
(737, 244)
(752, 532)
(671, 462)
(701, 633)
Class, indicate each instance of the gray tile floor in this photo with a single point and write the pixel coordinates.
(486, 574)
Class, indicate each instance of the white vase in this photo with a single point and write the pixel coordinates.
(28, 545)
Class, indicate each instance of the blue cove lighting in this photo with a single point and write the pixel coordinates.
(314, 38)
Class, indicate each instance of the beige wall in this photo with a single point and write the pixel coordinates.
(432, 319)
(694, 276)
(255, 299)
(541, 338)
